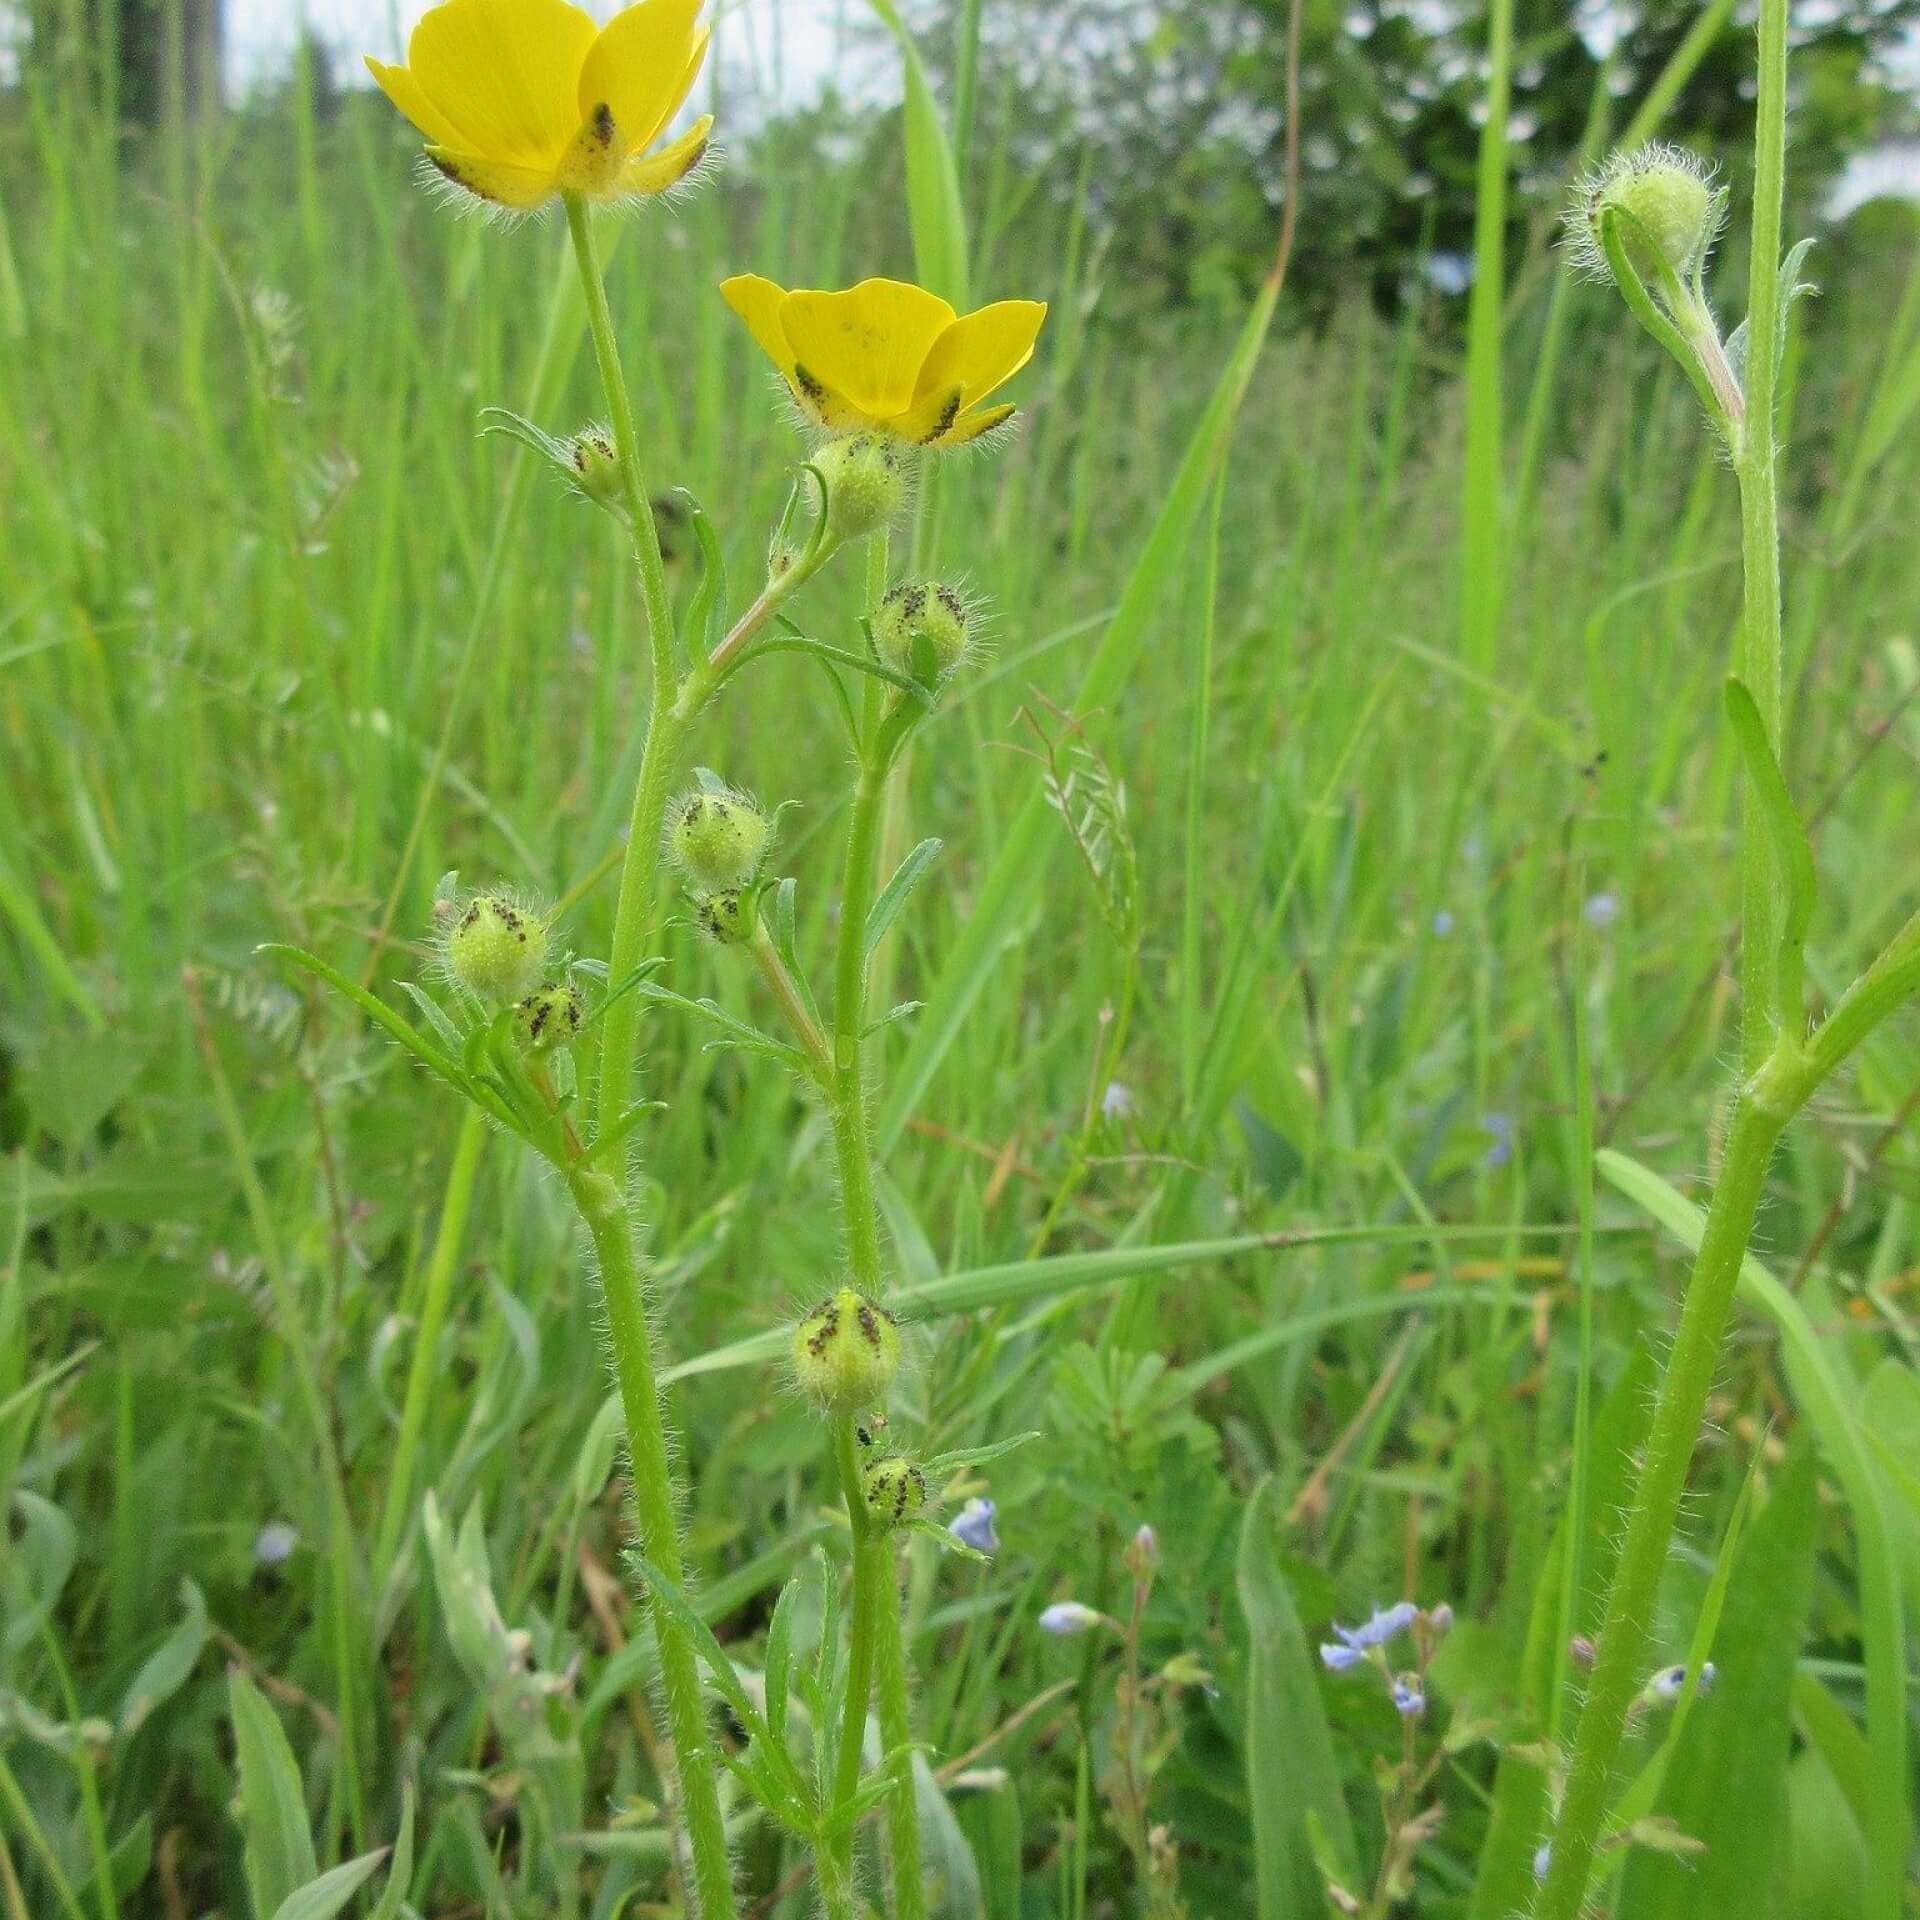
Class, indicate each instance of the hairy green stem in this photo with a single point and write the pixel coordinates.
(659, 763)
(1760, 1116)
(875, 1600)
(604, 1209)
(1778, 1075)
(424, 1368)
(872, 1586)
(1763, 908)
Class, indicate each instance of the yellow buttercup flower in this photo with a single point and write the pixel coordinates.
(890, 358)
(521, 100)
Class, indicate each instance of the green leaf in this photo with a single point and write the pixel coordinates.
(958, 1457)
(1290, 1765)
(934, 208)
(167, 1668)
(1045, 1279)
(400, 1874)
(36, 1567)
(321, 1899)
(893, 895)
(1827, 1393)
(1726, 1783)
(1792, 854)
(442, 1065)
(706, 622)
(990, 1818)
(273, 1805)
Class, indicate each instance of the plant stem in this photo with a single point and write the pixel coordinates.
(424, 1368)
(1762, 906)
(604, 1210)
(1778, 1076)
(665, 726)
(876, 1604)
(1759, 1117)
(872, 1587)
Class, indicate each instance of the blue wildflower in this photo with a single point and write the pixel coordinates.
(972, 1526)
(1068, 1616)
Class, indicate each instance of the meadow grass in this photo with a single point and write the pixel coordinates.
(1431, 812)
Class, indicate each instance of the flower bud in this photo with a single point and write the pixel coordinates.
(496, 950)
(895, 1491)
(726, 917)
(921, 629)
(846, 1352)
(1670, 208)
(866, 483)
(719, 838)
(547, 1019)
(596, 467)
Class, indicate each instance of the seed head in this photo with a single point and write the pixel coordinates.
(895, 1491)
(1672, 218)
(866, 483)
(547, 1019)
(496, 950)
(921, 629)
(718, 838)
(845, 1353)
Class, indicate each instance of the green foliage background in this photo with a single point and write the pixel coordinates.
(247, 521)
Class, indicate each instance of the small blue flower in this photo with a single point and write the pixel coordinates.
(1068, 1616)
(1443, 923)
(972, 1526)
(1375, 1631)
(1408, 1696)
(273, 1545)
(1666, 1686)
(1603, 910)
(1500, 1127)
(1542, 1859)
(1117, 1103)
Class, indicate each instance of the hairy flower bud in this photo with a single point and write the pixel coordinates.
(719, 838)
(866, 483)
(895, 1491)
(726, 917)
(496, 950)
(547, 1019)
(1671, 213)
(596, 467)
(846, 1352)
(921, 629)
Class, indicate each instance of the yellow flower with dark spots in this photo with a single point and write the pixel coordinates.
(888, 357)
(521, 100)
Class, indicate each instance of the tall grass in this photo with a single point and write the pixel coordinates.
(1326, 1294)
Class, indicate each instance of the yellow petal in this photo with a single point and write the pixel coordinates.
(867, 344)
(695, 61)
(758, 301)
(404, 91)
(970, 426)
(519, 188)
(982, 351)
(638, 67)
(659, 171)
(506, 74)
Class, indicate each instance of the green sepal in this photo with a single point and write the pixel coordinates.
(1634, 291)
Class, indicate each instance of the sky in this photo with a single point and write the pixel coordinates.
(784, 46)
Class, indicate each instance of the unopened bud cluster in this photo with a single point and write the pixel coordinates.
(596, 467)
